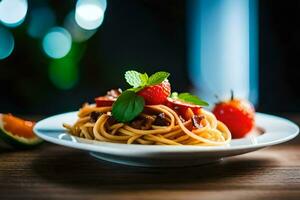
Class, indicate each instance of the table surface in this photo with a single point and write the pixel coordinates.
(56, 172)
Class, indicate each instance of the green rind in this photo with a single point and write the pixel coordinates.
(17, 141)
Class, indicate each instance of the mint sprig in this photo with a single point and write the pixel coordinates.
(139, 80)
(136, 79)
(157, 78)
(128, 106)
(189, 98)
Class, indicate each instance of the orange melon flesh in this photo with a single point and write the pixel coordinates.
(17, 126)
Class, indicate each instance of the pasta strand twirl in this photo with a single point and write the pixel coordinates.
(211, 132)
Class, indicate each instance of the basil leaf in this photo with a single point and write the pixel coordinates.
(128, 106)
(187, 97)
(157, 78)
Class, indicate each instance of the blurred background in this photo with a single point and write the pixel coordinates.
(56, 55)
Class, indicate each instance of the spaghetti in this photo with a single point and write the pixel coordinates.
(156, 125)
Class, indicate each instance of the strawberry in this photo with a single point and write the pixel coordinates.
(237, 115)
(109, 98)
(104, 101)
(156, 94)
(152, 89)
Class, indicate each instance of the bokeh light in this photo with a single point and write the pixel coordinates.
(13, 12)
(214, 27)
(89, 14)
(57, 42)
(78, 34)
(64, 72)
(6, 43)
(40, 21)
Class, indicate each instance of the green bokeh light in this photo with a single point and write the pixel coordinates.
(64, 72)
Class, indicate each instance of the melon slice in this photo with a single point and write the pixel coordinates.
(17, 132)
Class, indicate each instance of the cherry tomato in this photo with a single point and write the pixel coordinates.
(237, 115)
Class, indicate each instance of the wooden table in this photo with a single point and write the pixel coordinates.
(55, 172)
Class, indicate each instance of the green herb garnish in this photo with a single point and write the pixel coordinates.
(189, 98)
(129, 105)
(136, 79)
(139, 81)
(157, 78)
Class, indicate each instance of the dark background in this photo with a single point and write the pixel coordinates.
(146, 35)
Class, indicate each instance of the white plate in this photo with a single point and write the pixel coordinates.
(276, 130)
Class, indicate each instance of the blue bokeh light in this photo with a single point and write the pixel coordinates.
(89, 14)
(40, 21)
(6, 43)
(78, 34)
(13, 12)
(57, 42)
(223, 48)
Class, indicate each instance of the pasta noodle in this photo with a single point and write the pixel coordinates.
(209, 131)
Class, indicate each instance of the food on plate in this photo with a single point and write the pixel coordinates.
(148, 113)
(108, 99)
(17, 132)
(237, 114)
(156, 94)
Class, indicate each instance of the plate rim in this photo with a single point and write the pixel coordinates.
(161, 148)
